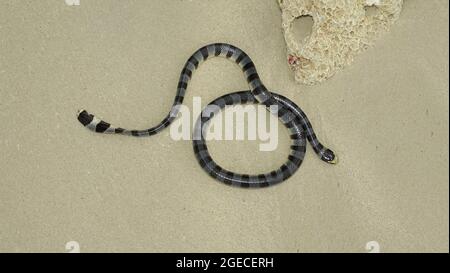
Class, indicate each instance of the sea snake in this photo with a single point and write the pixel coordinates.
(288, 113)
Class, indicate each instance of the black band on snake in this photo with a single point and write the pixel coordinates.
(288, 113)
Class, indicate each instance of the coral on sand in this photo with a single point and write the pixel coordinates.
(341, 29)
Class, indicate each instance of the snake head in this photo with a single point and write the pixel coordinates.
(329, 157)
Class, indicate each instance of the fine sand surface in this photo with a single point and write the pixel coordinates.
(386, 116)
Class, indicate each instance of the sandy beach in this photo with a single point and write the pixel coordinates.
(386, 116)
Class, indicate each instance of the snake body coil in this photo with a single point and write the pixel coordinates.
(288, 113)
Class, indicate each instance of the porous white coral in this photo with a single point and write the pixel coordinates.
(341, 29)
